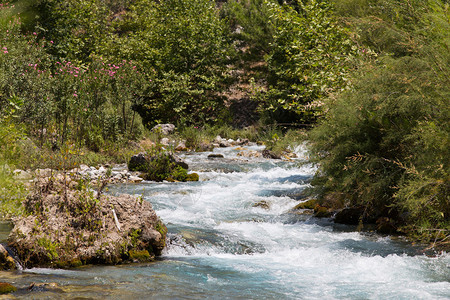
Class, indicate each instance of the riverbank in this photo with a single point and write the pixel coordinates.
(91, 181)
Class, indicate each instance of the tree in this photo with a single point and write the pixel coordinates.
(183, 46)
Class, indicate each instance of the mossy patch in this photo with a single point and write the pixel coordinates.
(140, 255)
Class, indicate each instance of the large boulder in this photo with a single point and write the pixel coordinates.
(69, 226)
(165, 129)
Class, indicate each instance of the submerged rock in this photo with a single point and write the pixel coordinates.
(72, 227)
(44, 287)
(262, 204)
(215, 155)
(7, 288)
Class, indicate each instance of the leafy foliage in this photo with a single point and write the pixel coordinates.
(308, 60)
(183, 46)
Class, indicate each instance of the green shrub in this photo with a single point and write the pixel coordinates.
(385, 143)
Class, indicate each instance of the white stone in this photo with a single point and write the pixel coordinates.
(135, 179)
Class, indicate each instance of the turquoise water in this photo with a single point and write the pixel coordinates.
(222, 247)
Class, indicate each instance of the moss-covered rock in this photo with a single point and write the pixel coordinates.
(262, 204)
(192, 177)
(309, 204)
(322, 212)
(7, 288)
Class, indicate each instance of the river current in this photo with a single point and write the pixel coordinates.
(232, 236)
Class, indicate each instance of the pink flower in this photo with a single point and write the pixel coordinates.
(51, 42)
(75, 95)
(34, 33)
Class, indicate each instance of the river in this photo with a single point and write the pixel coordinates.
(221, 246)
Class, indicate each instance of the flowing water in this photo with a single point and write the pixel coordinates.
(222, 246)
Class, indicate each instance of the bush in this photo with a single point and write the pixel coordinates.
(385, 143)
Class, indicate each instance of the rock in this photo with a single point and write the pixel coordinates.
(43, 287)
(165, 129)
(146, 144)
(321, 212)
(135, 179)
(250, 154)
(43, 172)
(7, 288)
(68, 228)
(181, 146)
(270, 154)
(6, 260)
(22, 175)
(203, 147)
(165, 141)
(192, 177)
(262, 204)
(309, 204)
(243, 142)
(138, 162)
(178, 161)
(289, 155)
(215, 155)
(218, 139)
(349, 216)
(224, 144)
